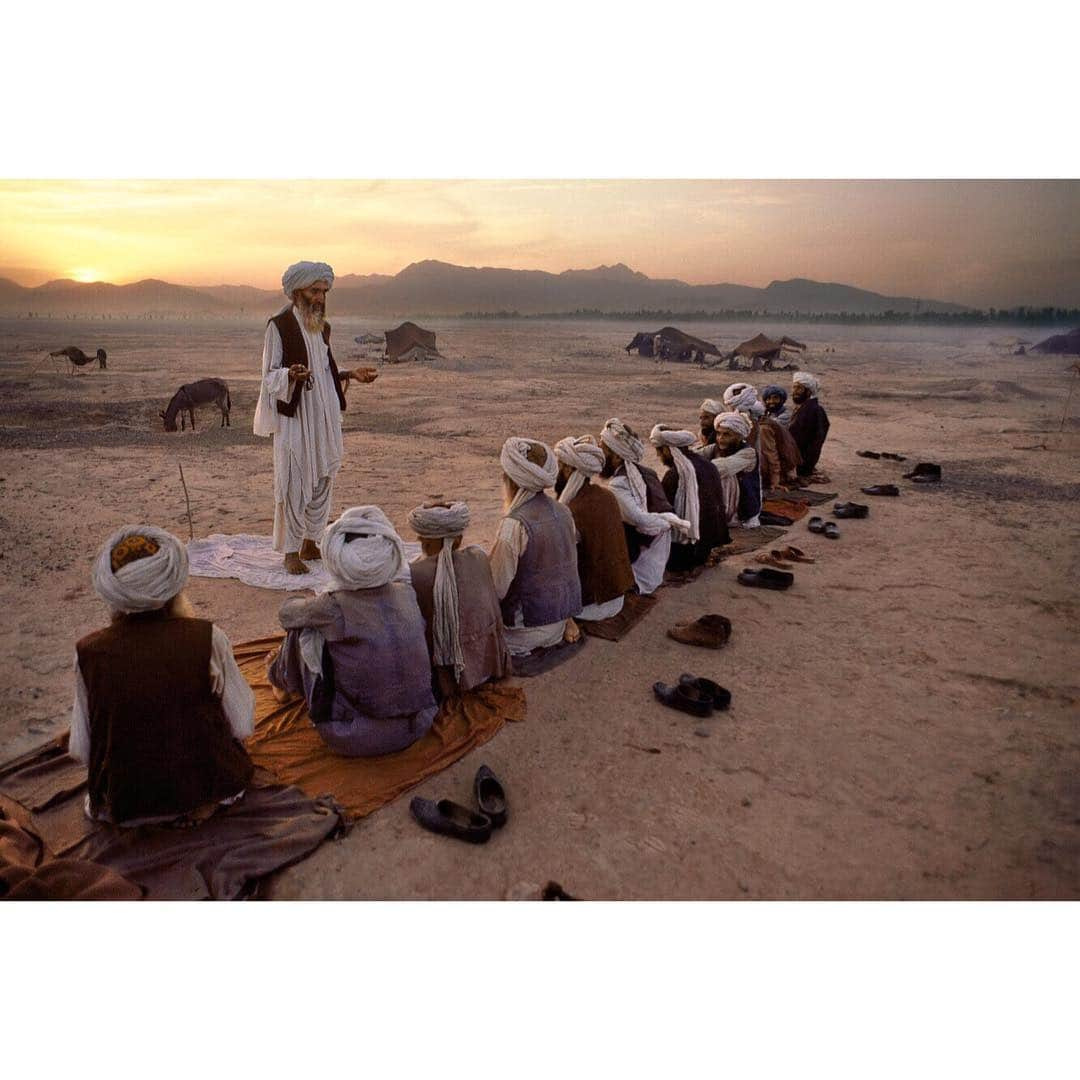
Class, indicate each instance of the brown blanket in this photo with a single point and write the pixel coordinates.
(786, 509)
(805, 495)
(286, 744)
(223, 856)
(634, 609)
(746, 540)
(28, 872)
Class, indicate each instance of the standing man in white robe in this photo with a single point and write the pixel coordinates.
(300, 404)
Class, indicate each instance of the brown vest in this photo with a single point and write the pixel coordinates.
(294, 351)
(159, 740)
(483, 643)
(603, 558)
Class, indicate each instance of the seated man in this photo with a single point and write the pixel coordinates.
(736, 463)
(710, 408)
(810, 423)
(534, 556)
(776, 451)
(648, 520)
(160, 705)
(603, 560)
(774, 399)
(693, 486)
(457, 598)
(358, 653)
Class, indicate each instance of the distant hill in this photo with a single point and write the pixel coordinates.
(438, 288)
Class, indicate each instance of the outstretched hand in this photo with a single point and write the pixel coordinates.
(360, 374)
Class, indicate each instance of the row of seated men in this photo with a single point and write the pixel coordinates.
(161, 709)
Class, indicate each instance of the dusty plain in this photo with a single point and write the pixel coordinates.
(905, 719)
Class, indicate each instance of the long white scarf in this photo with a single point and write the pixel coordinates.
(445, 523)
(687, 505)
(584, 457)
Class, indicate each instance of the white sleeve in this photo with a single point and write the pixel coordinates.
(741, 461)
(632, 514)
(276, 378)
(511, 539)
(237, 698)
(79, 740)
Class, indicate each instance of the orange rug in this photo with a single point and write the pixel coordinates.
(286, 745)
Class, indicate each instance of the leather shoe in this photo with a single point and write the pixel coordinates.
(490, 797)
(687, 699)
(451, 819)
(720, 697)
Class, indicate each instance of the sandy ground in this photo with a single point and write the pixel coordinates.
(904, 720)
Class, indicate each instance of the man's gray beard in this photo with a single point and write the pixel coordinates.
(313, 320)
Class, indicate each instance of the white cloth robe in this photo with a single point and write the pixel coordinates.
(307, 446)
(651, 563)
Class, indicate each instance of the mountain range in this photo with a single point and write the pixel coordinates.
(439, 288)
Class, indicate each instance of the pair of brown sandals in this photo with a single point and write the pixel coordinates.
(783, 558)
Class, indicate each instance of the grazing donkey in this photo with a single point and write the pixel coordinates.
(77, 358)
(203, 392)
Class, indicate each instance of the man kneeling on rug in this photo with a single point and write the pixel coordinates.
(160, 705)
(357, 653)
(456, 595)
(737, 463)
(534, 556)
(603, 559)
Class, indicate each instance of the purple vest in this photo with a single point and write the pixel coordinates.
(546, 586)
(381, 662)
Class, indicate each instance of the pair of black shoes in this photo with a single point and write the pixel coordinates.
(452, 819)
(693, 695)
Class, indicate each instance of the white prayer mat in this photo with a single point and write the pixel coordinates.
(253, 560)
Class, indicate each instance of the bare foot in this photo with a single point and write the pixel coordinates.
(293, 564)
(310, 550)
(572, 632)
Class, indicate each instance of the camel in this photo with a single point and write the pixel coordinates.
(77, 358)
(203, 392)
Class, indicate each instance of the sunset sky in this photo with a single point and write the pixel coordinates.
(976, 242)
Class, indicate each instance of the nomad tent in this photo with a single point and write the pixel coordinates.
(763, 352)
(673, 345)
(410, 342)
(1060, 344)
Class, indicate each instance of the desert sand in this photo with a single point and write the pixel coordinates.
(904, 721)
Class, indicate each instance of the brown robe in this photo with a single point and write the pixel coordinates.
(483, 643)
(603, 558)
(160, 744)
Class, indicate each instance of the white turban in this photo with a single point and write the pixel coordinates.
(686, 495)
(439, 522)
(740, 396)
(733, 421)
(711, 406)
(584, 457)
(530, 478)
(303, 274)
(621, 440)
(804, 378)
(756, 409)
(147, 583)
(445, 523)
(375, 555)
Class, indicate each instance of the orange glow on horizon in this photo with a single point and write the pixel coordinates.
(977, 242)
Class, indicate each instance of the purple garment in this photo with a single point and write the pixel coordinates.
(546, 586)
(374, 696)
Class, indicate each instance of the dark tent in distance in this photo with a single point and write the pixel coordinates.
(1060, 344)
(673, 345)
(410, 342)
(763, 352)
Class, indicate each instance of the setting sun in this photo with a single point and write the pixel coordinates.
(85, 276)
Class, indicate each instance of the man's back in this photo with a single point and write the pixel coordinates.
(483, 642)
